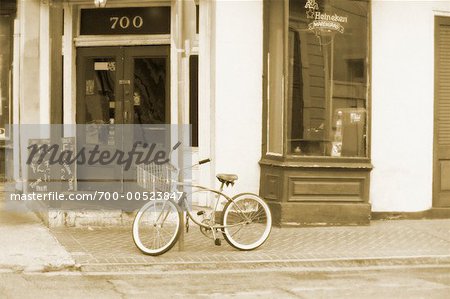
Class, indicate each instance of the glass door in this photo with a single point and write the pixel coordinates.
(120, 91)
(99, 107)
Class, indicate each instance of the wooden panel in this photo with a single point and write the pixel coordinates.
(445, 175)
(272, 183)
(316, 194)
(326, 189)
(318, 213)
(444, 152)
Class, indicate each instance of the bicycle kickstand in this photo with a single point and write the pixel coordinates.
(217, 240)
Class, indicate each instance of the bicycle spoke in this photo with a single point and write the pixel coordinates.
(239, 229)
(162, 238)
(260, 212)
(254, 212)
(167, 232)
(154, 239)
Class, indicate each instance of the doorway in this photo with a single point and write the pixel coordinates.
(116, 87)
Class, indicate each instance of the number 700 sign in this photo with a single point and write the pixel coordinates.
(125, 22)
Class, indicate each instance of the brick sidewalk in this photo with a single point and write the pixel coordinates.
(381, 240)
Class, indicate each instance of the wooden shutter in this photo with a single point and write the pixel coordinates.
(441, 180)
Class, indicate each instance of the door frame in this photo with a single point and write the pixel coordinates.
(202, 44)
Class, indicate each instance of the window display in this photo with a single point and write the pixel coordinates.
(327, 78)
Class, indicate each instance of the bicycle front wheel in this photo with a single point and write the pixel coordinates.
(156, 227)
(247, 221)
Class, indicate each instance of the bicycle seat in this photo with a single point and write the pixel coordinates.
(226, 178)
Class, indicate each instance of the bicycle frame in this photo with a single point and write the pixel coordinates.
(219, 193)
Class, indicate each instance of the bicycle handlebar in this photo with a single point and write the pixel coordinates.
(204, 161)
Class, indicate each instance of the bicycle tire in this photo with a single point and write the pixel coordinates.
(137, 225)
(262, 213)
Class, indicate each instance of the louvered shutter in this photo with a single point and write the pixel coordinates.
(442, 113)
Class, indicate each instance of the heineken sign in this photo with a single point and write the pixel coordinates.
(322, 21)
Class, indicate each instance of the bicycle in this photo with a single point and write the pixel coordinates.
(245, 221)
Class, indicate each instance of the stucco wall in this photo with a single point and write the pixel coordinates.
(402, 103)
(238, 90)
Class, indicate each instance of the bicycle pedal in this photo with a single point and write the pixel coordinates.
(218, 242)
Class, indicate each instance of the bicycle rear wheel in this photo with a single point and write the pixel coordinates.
(156, 227)
(247, 221)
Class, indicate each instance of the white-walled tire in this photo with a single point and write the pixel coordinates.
(156, 227)
(247, 221)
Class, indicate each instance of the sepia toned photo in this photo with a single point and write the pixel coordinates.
(224, 149)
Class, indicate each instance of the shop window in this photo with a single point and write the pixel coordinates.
(324, 66)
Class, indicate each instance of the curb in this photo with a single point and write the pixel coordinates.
(304, 264)
(40, 268)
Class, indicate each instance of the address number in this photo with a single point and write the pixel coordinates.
(125, 22)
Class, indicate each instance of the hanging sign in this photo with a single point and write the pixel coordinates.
(128, 20)
(322, 21)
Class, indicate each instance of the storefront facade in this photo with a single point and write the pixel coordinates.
(320, 106)
(188, 44)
